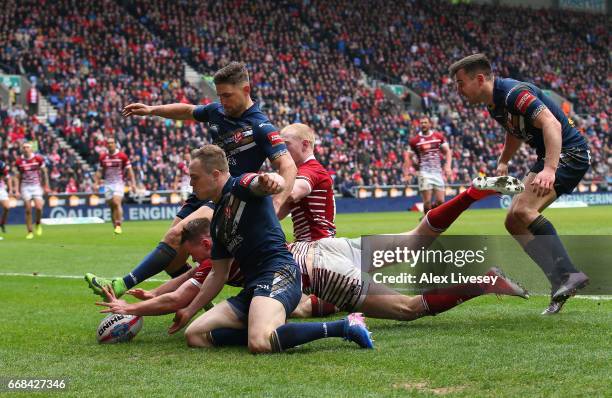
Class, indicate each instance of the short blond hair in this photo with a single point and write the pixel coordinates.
(301, 131)
(211, 157)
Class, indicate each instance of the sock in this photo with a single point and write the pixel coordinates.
(560, 259)
(426, 209)
(443, 299)
(152, 264)
(444, 215)
(321, 308)
(227, 337)
(541, 256)
(294, 334)
(180, 271)
(4, 217)
(117, 223)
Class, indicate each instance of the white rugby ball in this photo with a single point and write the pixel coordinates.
(117, 328)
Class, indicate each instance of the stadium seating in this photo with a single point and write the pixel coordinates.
(307, 62)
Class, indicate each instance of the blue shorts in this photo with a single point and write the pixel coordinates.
(281, 282)
(573, 165)
(192, 204)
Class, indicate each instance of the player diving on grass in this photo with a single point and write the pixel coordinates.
(331, 270)
(527, 114)
(237, 125)
(245, 227)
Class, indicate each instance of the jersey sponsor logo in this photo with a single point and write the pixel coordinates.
(523, 100)
(265, 124)
(238, 137)
(275, 138)
(246, 179)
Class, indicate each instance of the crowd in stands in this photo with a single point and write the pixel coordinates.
(308, 62)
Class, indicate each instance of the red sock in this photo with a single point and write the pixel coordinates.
(321, 308)
(441, 217)
(443, 299)
(118, 224)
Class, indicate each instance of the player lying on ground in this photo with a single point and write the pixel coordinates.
(177, 293)
(339, 260)
(245, 227)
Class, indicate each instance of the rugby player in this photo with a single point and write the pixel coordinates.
(527, 114)
(245, 227)
(237, 125)
(427, 148)
(4, 194)
(311, 202)
(181, 182)
(30, 167)
(114, 164)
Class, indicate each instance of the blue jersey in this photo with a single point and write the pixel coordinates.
(247, 140)
(518, 104)
(245, 227)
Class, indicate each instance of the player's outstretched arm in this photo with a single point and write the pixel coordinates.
(161, 305)
(176, 111)
(166, 287)
(211, 287)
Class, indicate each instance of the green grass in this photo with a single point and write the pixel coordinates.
(486, 347)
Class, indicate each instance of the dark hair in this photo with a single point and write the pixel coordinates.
(472, 64)
(195, 229)
(233, 73)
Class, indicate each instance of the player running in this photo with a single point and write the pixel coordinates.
(248, 138)
(527, 114)
(245, 227)
(114, 165)
(30, 167)
(427, 148)
(5, 181)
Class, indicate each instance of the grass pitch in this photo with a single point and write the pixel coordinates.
(486, 347)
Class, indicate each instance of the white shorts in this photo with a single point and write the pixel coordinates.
(3, 195)
(114, 190)
(186, 190)
(336, 273)
(428, 181)
(29, 192)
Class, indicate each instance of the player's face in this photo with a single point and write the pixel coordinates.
(425, 125)
(199, 251)
(468, 86)
(294, 146)
(27, 150)
(111, 145)
(204, 184)
(233, 97)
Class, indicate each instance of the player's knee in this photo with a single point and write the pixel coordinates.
(260, 343)
(196, 338)
(519, 215)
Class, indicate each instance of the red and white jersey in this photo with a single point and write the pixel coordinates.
(428, 149)
(30, 169)
(235, 276)
(184, 170)
(313, 216)
(114, 166)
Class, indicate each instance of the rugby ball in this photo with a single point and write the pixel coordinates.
(117, 328)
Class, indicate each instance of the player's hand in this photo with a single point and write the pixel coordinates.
(543, 182)
(137, 109)
(140, 294)
(115, 306)
(502, 169)
(448, 173)
(271, 183)
(181, 318)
